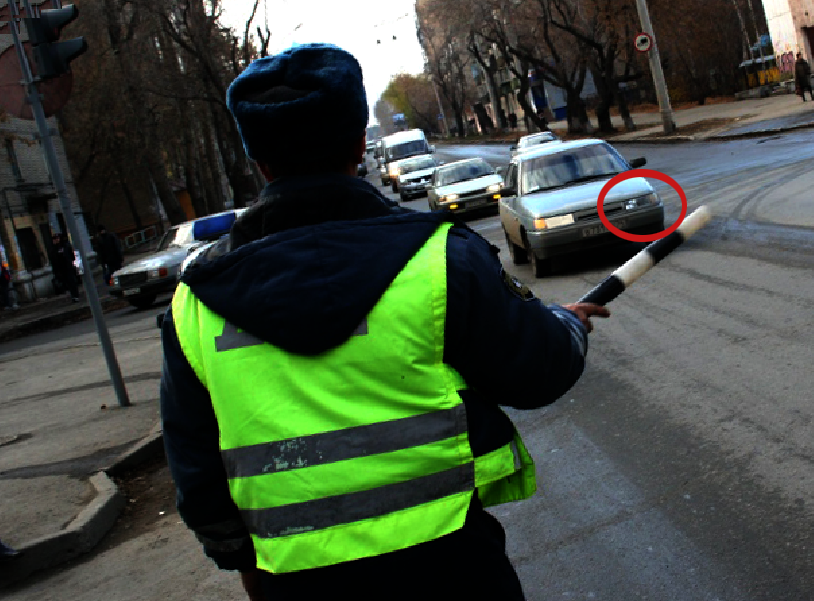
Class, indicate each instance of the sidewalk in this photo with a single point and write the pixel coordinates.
(718, 121)
(63, 436)
(52, 312)
(55, 311)
(744, 118)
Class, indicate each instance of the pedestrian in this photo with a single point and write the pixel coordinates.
(62, 265)
(7, 553)
(802, 77)
(6, 288)
(513, 120)
(109, 250)
(334, 369)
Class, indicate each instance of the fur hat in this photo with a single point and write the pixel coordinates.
(307, 91)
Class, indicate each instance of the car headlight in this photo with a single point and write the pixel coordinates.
(394, 171)
(161, 272)
(449, 198)
(493, 188)
(642, 201)
(551, 222)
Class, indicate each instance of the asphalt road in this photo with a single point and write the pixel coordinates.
(680, 466)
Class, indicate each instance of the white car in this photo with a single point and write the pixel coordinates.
(464, 185)
(141, 281)
(532, 141)
(415, 175)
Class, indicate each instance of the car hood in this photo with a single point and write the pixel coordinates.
(167, 258)
(583, 196)
(418, 174)
(469, 185)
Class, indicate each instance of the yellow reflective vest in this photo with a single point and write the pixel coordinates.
(359, 451)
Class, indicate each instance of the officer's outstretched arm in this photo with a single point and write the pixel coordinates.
(506, 343)
(191, 442)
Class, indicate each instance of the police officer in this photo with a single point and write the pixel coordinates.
(334, 369)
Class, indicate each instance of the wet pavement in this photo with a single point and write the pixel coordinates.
(786, 121)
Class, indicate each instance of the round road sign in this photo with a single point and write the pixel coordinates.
(643, 42)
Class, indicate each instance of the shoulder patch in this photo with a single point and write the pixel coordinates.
(516, 287)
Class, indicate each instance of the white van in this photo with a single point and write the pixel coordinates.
(398, 146)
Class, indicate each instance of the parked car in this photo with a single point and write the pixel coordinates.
(532, 141)
(464, 185)
(415, 175)
(141, 281)
(549, 204)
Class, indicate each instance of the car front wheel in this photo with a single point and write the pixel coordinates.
(142, 302)
(518, 254)
(539, 267)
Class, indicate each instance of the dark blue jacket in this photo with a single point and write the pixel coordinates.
(301, 269)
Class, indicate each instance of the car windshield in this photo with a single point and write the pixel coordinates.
(462, 172)
(406, 149)
(418, 164)
(571, 166)
(176, 237)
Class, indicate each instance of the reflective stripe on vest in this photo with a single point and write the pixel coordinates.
(359, 451)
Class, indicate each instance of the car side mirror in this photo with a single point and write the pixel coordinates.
(640, 162)
(508, 191)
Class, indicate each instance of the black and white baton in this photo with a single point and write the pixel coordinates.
(621, 279)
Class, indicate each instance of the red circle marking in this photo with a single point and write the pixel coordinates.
(652, 174)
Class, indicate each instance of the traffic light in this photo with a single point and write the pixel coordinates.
(53, 57)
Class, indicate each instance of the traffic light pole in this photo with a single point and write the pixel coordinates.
(55, 171)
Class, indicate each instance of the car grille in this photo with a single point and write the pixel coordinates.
(132, 279)
(592, 214)
(480, 192)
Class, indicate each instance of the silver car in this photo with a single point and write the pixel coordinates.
(464, 185)
(549, 205)
(141, 281)
(415, 175)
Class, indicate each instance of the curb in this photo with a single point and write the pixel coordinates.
(54, 321)
(91, 525)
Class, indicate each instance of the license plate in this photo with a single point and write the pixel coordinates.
(132, 291)
(600, 229)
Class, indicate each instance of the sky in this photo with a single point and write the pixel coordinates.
(354, 25)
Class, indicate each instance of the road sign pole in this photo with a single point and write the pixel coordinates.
(55, 171)
(655, 67)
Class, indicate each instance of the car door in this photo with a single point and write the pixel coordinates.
(508, 205)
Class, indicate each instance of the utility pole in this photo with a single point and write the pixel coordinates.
(55, 171)
(655, 67)
(440, 108)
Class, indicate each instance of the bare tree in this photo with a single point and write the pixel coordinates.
(447, 61)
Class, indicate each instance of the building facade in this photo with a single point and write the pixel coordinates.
(29, 205)
(791, 26)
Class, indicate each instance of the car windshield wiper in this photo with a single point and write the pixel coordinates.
(587, 178)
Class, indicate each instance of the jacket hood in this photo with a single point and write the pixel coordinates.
(309, 261)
